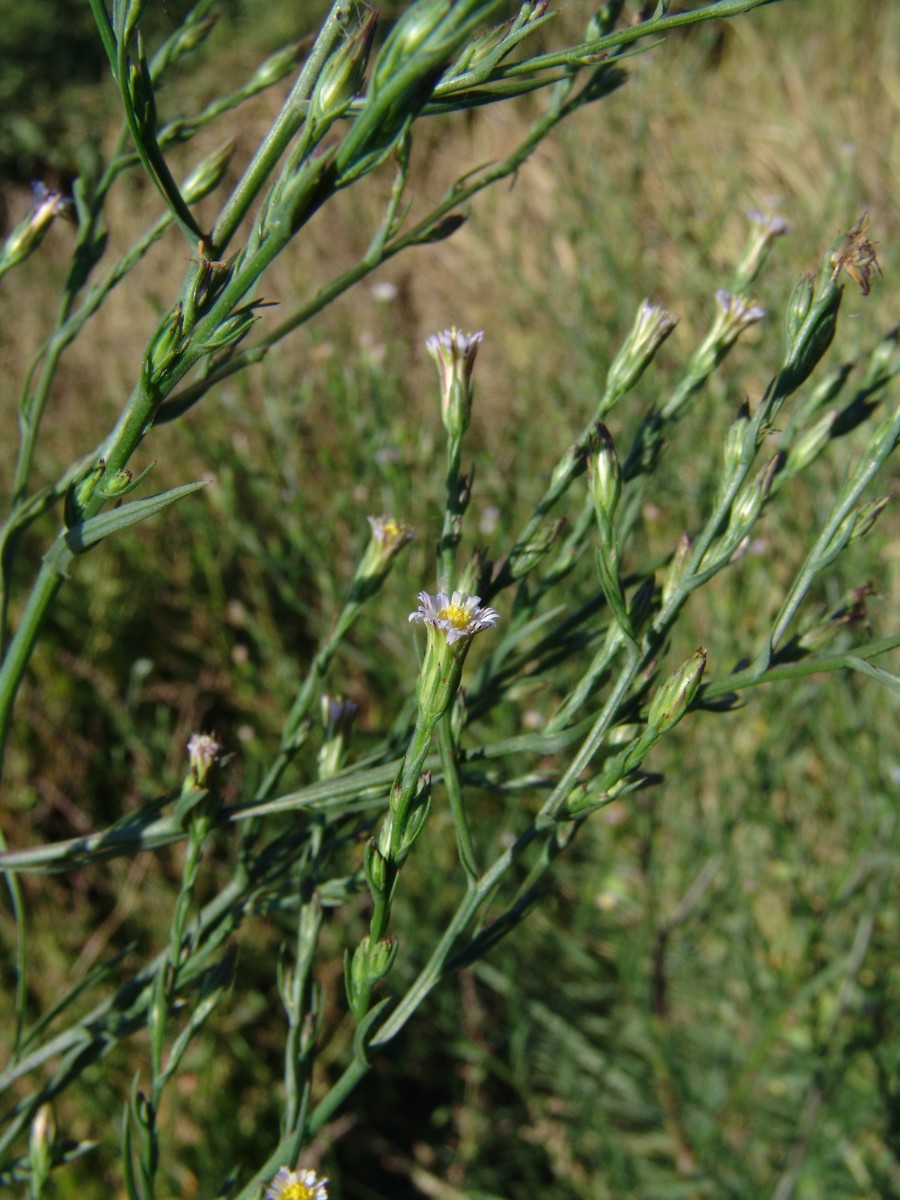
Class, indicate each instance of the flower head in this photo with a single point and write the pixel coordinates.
(766, 229)
(297, 1185)
(652, 326)
(454, 354)
(736, 314)
(451, 623)
(457, 616)
(203, 754)
(387, 539)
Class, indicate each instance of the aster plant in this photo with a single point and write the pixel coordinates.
(344, 840)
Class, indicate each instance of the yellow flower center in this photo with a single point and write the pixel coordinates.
(458, 615)
(297, 1191)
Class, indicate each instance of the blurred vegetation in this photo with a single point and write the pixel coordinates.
(714, 978)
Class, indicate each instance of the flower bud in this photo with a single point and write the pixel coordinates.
(672, 700)
(204, 753)
(799, 307)
(766, 230)
(231, 331)
(604, 475)
(369, 963)
(40, 1149)
(749, 501)
(652, 326)
(388, 538)
(810, 443)
(454, 355)
(208, 174)
(676, 568)
(526, 556)
(279, 64)
(740, 443)
(337, 718)
(165, 345)
(414, 28)
(343, 73)
(29, 233)
(868, 514)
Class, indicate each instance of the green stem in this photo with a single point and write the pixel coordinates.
(450, 770)
(276, 141)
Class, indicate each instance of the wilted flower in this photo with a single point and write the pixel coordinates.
(297, 1185)
(856, 255)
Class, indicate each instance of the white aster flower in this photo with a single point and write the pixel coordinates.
(297, 1185)
(457, 616)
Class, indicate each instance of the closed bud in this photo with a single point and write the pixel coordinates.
(375, 868)
(30, 232)
(527, 555)
(810, 443)
(190, 36)
(414, 28)
(868, 514)
(367, 965)
(343, 73)
(414, 818)
(676, 568)
(274, 69)
(337, 719)
(207, 175)
(165, 345)
(81, 492)
(750, 500)
(231, 331)
(740, 443)
(604, 474)
(799, 307)
(40, 1149)
(883, 363)
(140, 96)
(641, 607)
(673, 698)
(821, 631)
